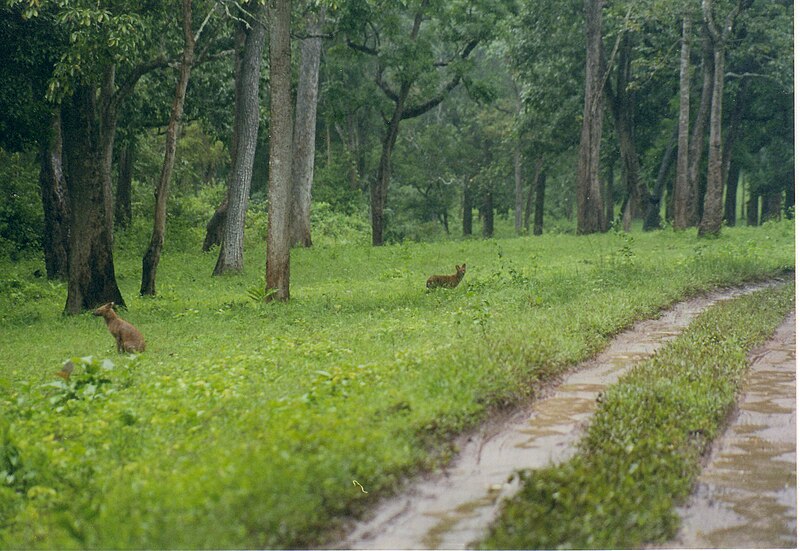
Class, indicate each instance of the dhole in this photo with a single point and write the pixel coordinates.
(447, 281)
(129, 339)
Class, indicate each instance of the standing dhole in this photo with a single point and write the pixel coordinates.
(129, 339)
(447, 281)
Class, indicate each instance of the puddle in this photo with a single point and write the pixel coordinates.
(746, 496)
(452, 508)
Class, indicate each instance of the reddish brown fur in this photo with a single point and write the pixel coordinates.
(447, 281)
(129, 339)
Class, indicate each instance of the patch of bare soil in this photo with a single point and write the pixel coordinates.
(746, 496)
(451, 508)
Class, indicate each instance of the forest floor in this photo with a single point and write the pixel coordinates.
(454, 507)
(253, 425)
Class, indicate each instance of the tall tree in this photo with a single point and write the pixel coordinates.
(54, 201)
(305, 126)
(591, 215)
(682, 192)
(250, 37)
(280, 150)
(407, 63)
(153, 254)
(711, 223)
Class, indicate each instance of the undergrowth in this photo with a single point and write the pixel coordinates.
(245, 424)
(642, 450)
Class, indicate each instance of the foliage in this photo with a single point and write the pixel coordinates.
(21, 218)
(642, 451)
(244, 424)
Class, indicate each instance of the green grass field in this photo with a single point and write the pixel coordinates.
(245, 424)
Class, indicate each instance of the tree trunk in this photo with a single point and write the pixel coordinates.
(305, 126)
(698, 134)
(466, 221)
(652, 218)
(591, 216)
(518, 194)
(55, 240)
(280, 149)
(538, 212)
(250, 42)
(730, 168)
(379, 188)
(122, 205)
(752, 207)
(487, 211)
(731, 189)
(711, 224)
(88, 126)
(771, 206)
(622, 105)
(530, 195)
(152, 256)
(682, 192)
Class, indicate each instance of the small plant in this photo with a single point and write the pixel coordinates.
(82, 379)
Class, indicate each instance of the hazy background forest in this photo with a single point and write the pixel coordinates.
(421, 120)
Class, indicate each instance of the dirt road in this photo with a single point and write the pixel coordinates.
(452, 508)
(746, 496)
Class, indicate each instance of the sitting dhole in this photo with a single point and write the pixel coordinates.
(129, 339)
(447, 281)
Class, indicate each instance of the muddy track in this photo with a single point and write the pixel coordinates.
(451, 508)
(746, 495)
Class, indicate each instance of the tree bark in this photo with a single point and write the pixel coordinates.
(518, 193)
(682, 192)
(152, 256)
(752, 207)
(305, 126)
(538, 211)
(55, 240)
(591, 216)
(699, 134)
(466, 220)
(89, 123)
(233, 210)
(771, 206)
(621, 104)
(711, 223)
(280, 150)
(122, 204)
(487, 212)
(731, 189)
(652, 218)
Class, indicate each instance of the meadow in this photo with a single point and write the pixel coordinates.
(247, 425)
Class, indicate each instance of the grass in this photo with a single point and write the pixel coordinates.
(642, 450)
(245, 424)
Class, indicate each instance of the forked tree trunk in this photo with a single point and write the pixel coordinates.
(153, 254)
(55, 239)
(305, 127)
(682, 193)
(88, 143)
(711, 224)
(591, 215)
(280, 150)
(232, 212)
(652, 217)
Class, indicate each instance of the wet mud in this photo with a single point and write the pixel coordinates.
(452, 508)
(746, 495)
